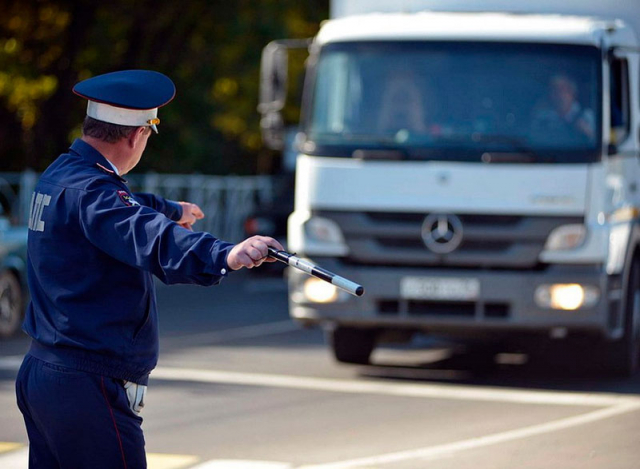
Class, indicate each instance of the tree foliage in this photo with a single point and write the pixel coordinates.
(211, 49)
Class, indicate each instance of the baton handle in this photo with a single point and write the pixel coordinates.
(318, 272)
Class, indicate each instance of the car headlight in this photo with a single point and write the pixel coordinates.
(566, 237)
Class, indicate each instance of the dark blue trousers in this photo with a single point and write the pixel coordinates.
(77, 420)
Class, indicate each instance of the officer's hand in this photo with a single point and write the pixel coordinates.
(190, 214)
(252, 252)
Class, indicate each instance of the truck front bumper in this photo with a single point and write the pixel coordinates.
(504, 303)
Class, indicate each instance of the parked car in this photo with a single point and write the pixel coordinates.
(13, 277)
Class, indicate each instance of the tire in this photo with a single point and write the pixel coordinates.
(622, 358)
(351, 345)
(10, 304)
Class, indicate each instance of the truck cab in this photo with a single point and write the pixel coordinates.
(476, 171)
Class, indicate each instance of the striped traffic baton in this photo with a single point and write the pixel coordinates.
(318, 272)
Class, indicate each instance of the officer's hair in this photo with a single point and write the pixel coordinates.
(104, 131)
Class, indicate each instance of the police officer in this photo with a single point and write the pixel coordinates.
(93, 248)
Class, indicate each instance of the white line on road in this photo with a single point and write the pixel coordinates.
(18, 459)
(241, 464)
(421, 390)
(435, 391)
(449, 449)
(616, 404)
(245, 332)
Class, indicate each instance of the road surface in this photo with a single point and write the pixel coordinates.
(241, 386)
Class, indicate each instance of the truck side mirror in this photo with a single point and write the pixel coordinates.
(274, 71)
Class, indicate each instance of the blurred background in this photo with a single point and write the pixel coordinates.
(210, 49)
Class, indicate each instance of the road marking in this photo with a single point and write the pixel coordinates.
(7, 446)
(15, 459)
(242, 464)
(615, 404)
(422, 390)
(435, 391)
(449, 449)
(170, 461)
(20, 459)
(245, 332)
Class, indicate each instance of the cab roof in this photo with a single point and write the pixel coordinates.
(510, 27)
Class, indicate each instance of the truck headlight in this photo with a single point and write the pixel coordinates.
(315, 236)
(319, 291)
(566, 237)
(323, 230)
(566, 296)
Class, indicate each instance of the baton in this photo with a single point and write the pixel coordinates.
(318, 272)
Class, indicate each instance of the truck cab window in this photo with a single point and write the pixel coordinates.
(457, 101)
(619, 106)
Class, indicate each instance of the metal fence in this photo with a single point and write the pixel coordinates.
(226, 200)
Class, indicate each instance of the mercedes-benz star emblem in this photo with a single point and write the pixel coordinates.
(442, 233)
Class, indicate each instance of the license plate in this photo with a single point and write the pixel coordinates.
(435, 288)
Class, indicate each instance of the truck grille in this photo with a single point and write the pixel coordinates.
(488, 241)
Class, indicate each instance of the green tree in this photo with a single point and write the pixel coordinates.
(211, 49)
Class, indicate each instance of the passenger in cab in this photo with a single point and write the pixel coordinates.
(561, 117)
(402, 106)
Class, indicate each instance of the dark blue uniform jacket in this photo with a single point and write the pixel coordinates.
(93, 247)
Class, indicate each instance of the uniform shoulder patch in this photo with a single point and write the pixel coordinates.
(128, 200)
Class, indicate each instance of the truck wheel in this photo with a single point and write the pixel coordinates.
(623, 357)
(352, 345)
(10, 304)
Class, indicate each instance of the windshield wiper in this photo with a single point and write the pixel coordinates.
(373, 147)
(366, 138)
(380, 154)
(520, 151)
(492, 157)
(517, 143)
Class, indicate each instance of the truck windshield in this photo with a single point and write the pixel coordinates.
(457, 101)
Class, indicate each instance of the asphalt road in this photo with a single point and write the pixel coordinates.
(240, 386)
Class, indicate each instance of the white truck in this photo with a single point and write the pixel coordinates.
(475, 165)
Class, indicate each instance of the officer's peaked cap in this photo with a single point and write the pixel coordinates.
(128, 97)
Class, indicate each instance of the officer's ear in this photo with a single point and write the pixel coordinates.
(138, 136)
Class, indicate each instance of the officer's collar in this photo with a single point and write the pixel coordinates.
(94, 157)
